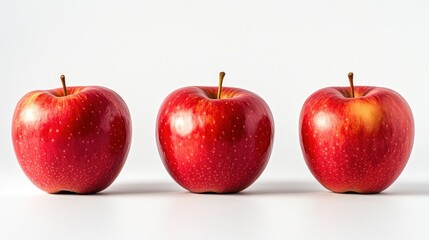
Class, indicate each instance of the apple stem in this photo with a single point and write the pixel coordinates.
(219, 90)
(63, 81)
(352, 87)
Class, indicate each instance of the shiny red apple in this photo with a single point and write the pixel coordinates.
(214, 139)
(74, 139)
(356, 139)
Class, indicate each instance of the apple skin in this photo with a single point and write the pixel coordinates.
(76, 143)
(359, 144)
(214, 145)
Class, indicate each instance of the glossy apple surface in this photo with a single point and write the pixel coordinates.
(356, 144)
(214, 145)
(75, 143)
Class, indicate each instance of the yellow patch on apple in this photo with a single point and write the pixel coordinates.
(367, 113)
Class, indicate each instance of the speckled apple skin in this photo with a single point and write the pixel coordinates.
(76, 143)
(214, 145)
(359, 144)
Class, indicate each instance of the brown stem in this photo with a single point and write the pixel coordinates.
(352, 87)
(63, 81)
(219, 89)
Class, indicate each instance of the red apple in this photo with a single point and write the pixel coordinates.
(212, 142)
(74, 139)
(356, 139)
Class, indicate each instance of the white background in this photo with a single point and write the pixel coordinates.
(282, 50)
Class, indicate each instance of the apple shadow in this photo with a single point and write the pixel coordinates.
(284, 188)
(268, 188)
(308, 187)
(261, 188)
(408, 189)
(140, 188)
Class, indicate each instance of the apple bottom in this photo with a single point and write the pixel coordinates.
(223, 177)
(82, 179)
(203, 166)
(81, 161)
(356, 169)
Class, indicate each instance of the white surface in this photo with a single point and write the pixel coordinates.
(282, 50)
(268, 210)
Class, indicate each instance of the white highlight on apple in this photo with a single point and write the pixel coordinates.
(183, 122)
(30, 114)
